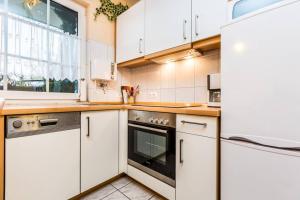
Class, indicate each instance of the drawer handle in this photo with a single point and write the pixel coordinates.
(195, 123)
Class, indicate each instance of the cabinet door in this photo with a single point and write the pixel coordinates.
(130, 33)
(196, 167)
(207, 18)
(167, 24)
(99, 147)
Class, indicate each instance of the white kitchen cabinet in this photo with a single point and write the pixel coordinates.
(167, 24)
(99, 147)
(207, 18)
(196, 160)
(123, 141)
(130, 33)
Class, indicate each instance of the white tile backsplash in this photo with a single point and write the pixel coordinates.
(205, 65)
(168, 76)
(185, 95)
(182, 81)
(168, 95)
(185, 73)
(201, 94)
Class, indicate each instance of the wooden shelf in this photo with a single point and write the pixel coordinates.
(134, 63)
(208, 44)
(169, 51)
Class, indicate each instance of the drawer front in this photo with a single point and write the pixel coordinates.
(198, 125)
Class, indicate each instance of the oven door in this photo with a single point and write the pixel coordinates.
(151, 148)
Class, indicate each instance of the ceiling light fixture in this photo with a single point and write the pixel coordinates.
(31, 3)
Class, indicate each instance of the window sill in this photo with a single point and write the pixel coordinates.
(21, 95)
(84, 3)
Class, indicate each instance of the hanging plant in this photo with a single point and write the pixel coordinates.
(111, 10)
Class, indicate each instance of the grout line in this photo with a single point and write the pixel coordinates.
(124, 195)
(109, 193)
(114, 192)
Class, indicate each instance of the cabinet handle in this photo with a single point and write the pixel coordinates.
(196, 25)
(88, 127)
(195, 123)
(180, 151)
(140, 45)
(184, 29)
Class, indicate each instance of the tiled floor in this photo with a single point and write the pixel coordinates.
(122, 189)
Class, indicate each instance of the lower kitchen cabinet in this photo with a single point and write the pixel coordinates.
(99, 147)
(196, 158)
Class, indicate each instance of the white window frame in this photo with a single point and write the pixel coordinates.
(27, 95)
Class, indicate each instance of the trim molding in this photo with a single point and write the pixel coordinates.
(208, 44)
(135, 63)
(169, 51)
(93, 189)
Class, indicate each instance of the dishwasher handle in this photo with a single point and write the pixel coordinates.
(48, 122)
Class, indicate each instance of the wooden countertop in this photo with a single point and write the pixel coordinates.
(52, 108)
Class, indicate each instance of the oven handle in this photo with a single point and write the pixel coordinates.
(148, 128)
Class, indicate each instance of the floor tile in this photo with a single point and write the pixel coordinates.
(116, 196)
(135, 191)
(101, 193)
(157, 198)
(123, 181)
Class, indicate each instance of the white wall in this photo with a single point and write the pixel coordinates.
(182, 81)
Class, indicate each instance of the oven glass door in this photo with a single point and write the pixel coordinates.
(153, 147)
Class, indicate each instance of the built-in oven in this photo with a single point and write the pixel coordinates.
(152, 144)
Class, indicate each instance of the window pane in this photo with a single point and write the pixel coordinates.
(246, 6)
(2, 34)
(63, 78)
(63, 18)
(1, 4)
(26, 75)
(1, 71)
(27, 40)
(37, 13)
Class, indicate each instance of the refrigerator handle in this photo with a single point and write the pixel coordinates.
(246, 140)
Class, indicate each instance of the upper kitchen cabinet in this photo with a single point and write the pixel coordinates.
(130, 33)
(207, 18)
(167, 25)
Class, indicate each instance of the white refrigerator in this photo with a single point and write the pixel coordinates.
(260, 131)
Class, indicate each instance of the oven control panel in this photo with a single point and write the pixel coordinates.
(158, 118)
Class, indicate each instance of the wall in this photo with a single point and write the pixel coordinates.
(182, 81)
(103, 31)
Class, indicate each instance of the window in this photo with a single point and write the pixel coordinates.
(40, 48)
(243, 7)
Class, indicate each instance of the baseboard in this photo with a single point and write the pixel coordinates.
(97, 187)
(154, 184)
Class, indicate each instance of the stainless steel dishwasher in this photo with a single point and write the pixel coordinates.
(42, 156)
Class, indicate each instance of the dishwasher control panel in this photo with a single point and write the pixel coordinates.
(20, 125)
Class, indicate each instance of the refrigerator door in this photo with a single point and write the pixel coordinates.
(260, 76)
(250, 172)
